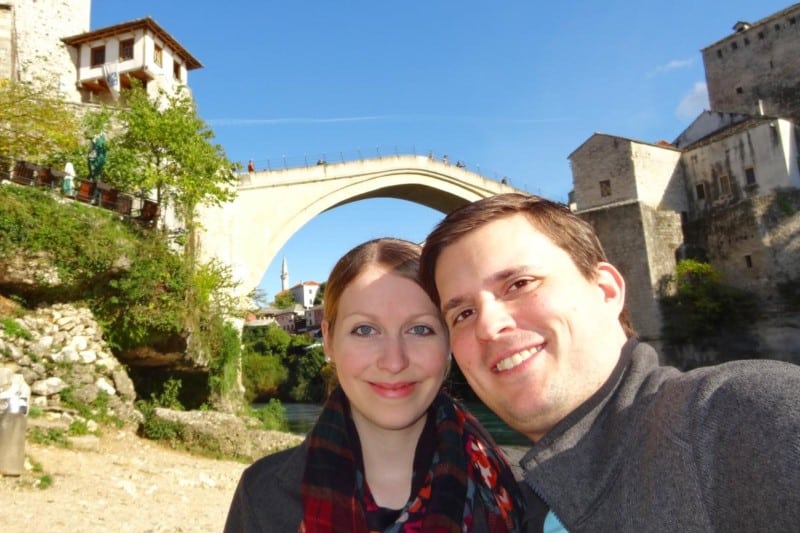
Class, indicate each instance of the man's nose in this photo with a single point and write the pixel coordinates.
(393, 357)
(493, 319)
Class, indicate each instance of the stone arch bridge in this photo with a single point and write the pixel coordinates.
(270, 206)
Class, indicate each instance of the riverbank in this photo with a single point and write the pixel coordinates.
(118, 482)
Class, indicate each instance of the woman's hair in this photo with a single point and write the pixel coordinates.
(398, 256)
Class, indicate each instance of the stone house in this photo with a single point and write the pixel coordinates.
(52, 40)
(724, 188)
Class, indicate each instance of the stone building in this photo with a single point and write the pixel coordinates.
(756, 70)
(305, 293)
(51, 40)
(726, 189)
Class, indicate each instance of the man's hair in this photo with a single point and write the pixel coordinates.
(398, 256)
(565, 229)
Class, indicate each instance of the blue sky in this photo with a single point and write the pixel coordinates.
(510, 87)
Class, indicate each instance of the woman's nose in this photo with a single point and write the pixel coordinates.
(393, 357)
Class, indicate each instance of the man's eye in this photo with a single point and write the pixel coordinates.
(422, 330)
(363, 331)
(463, 315)
(519, 284)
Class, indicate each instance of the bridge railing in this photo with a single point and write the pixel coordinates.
(285, 162)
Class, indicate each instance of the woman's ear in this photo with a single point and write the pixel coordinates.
(326, 339)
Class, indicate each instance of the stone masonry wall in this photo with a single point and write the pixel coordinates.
(762, 62)
(622, 234)
(66, 350)
(37, 27)
(767, 230)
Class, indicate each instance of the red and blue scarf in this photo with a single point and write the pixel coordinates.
(457, 467)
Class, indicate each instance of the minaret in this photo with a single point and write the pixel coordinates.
(284, 276)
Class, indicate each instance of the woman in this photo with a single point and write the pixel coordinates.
(390, 451)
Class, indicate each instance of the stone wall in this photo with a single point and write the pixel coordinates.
(65, 349)
(622, 234)
(759, 63)
(755, 244)
(33, 33)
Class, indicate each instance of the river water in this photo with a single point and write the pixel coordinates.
(301, 417)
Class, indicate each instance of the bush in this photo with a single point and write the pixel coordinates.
(13, 329)
(703, 306)
(272, 416)
(262, 375)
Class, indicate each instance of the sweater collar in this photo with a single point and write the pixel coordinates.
(589, 443)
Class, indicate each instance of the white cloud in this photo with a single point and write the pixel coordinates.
(694, 102)
(671, 65)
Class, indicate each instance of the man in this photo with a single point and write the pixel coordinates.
(539, 329)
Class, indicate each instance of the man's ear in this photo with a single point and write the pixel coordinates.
(326, 338)
(611, 282)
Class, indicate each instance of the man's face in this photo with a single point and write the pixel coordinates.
(532, 335)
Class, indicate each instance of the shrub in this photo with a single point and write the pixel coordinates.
(703, 306)
(14, 329)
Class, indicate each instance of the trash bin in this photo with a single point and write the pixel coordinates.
(13, 424)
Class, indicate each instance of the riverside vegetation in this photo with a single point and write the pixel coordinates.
(82, 293)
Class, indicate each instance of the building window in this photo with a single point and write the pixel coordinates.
(605, 188)
(734, 45)
(98, 56)
(700, 189)
(761, 35)
(158, 56)
(750, 176)
(719, 52)
(748, 261)
(739, 90)
(792, 20)
(724, 185)
(126, 49)
(777, 27)
(746, 41)
(176, 70)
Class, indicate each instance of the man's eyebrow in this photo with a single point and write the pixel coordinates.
(499, 276)
(452, 303)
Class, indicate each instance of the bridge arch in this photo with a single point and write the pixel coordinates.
(271, 206)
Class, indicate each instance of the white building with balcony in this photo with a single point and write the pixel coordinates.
(111, 58)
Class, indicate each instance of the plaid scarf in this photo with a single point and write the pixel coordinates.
(457, 467)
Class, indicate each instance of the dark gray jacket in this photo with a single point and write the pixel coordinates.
(268, 497)
(656, 449)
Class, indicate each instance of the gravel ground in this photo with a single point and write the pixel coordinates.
(117, 482)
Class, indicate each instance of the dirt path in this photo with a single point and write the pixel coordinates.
(120, 483)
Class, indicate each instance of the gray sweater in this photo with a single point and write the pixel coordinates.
(656, 449)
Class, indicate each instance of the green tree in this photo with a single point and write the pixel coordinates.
(162, 145)
(703, 306)
(320, 297)
(270, 340)
(284, 300)
(35, 122)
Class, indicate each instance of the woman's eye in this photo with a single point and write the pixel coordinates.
(363, 331)
(422, 330)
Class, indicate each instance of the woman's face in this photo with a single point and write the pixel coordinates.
(390, 349)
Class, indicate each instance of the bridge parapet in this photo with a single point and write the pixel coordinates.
(271, 205)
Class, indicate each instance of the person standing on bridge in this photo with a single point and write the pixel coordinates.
(390, 451)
